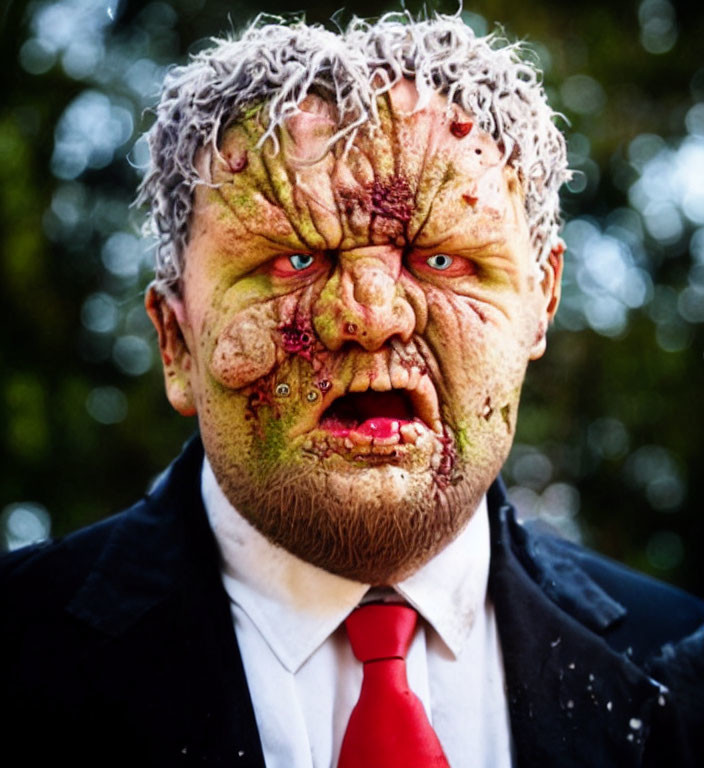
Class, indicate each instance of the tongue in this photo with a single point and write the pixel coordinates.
(380, 426)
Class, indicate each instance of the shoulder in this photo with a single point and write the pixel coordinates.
(47, 645)
(622, 647)
(51, 572)
(660, 629)
(653, 613)
(36, 577)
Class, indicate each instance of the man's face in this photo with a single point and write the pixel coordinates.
(354, 329)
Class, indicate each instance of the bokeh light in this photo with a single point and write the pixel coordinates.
(24, 523)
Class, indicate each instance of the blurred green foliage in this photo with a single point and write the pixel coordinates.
(609, 441)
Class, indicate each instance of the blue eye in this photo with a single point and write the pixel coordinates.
(439, 261)
(301, 260)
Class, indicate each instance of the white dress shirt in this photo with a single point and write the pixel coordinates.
(302, 675)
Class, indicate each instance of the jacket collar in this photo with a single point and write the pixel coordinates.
(572, 699)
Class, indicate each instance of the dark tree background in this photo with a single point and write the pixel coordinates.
(609, 448)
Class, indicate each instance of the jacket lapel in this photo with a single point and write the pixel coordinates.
(156, 598)
(572, 700)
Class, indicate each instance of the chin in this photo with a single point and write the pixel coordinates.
(374, 520)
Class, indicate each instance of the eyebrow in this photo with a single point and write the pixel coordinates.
(484, 245)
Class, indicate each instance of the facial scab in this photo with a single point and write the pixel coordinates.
(460, 130)
(298, 338)
(392, 199)
(506, 416)
(237, 164)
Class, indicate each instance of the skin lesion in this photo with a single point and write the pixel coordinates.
(298, 338)
(506, 417)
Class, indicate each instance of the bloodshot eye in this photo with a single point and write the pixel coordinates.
(296, 266)
(439, 261)
(301, 260)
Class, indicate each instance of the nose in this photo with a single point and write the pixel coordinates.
(363, 301)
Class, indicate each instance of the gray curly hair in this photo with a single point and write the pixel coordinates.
(280, 63)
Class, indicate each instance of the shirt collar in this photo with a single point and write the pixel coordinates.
(296, 606)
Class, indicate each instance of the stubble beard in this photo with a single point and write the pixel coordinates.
(357, 524)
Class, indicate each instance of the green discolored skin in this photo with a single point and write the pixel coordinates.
(402, 263)
(463, 441)
(270, 451)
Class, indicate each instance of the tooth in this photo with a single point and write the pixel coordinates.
(348, 443)
(437, 427)
(413, 378)
(409, 433)
(383, 450)
(360, 439)
(360, 382)
(390, 440)
(381, 381)
(399, 377)
(425, 401)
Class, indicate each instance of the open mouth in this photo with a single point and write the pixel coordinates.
(380, 418)
(377, 414)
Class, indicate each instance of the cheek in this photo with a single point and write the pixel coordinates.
(249, 429)
(245, 351)
(260, 338)
(482, 360)
(265, 376)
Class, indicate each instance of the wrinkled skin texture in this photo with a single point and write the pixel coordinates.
(402, 266)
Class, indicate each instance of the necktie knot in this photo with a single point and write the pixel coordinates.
(381, 631)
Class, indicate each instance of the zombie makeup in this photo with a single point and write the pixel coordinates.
(359, 320)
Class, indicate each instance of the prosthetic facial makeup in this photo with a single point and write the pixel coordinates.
(354, 328)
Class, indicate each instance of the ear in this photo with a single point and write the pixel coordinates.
(167, 314)
(551, 288)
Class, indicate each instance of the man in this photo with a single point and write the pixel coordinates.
(358, 257)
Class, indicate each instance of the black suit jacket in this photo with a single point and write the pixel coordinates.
(119, 648)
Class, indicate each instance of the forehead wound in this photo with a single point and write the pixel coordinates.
(414, 178)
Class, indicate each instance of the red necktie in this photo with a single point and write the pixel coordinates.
(388, 727)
